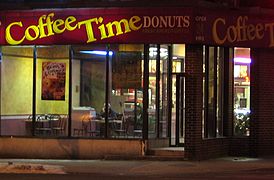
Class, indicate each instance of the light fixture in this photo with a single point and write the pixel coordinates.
(242, 60)
(153, 52)
(96, 52)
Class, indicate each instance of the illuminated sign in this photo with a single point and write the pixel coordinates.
(58, 26)
(95, 25)
(242, 31)
(136, 25)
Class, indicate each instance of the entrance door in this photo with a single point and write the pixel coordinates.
(178, 110)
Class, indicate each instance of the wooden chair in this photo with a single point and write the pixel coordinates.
(79, 131)
(88, 129)
(60, 128)
(118, 127)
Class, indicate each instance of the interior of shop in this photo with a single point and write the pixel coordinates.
(43, 72)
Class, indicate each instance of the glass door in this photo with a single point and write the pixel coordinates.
(178, 110)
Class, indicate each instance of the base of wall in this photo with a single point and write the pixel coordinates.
(68, 148)
(156, 143)
(239, 146)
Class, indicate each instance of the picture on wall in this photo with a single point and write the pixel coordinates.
(53, 80)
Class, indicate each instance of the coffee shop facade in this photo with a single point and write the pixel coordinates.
(95, 82)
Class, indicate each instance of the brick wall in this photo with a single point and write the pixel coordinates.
(262, 102)
(239, 146)
(195, 146)
(193, 100)
(213, 148)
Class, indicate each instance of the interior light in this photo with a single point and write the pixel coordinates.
(103, 53)
(153, 51)
(242, 60)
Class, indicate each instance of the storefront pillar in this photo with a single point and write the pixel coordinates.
(193, 101)
(262, 98)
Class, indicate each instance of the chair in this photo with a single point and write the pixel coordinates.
(118, 126)
(88, 129)
(60, 128)
(43, 125)
(128, 120)
(138, 126)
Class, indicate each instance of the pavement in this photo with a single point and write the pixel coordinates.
(221, 168)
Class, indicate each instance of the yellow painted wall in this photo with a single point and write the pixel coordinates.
(16, 85)
(16, 80)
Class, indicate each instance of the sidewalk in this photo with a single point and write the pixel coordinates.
(222, 168)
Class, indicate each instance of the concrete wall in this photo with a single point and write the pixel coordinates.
(68, 148)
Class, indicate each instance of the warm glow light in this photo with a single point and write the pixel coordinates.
(242, 60)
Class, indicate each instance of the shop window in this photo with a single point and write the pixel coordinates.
(16, 90)
(126, 90)
(88, 91)
(107, 78)
(157, 94)
(242, 63)
(35, 90)
(214, 86)
(52, 91)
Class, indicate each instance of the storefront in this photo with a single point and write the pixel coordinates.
(86, 83)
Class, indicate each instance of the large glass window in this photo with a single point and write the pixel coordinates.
(126, 90)
(52, 90)
(88, 90)
(214, 86)
(16, 90)
(158, 101)
(107, 89)
(105, 83)
(220, 91)
(241, 91)
(163, 101)
(152, 90)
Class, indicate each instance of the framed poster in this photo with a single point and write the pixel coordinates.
(53, 80)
